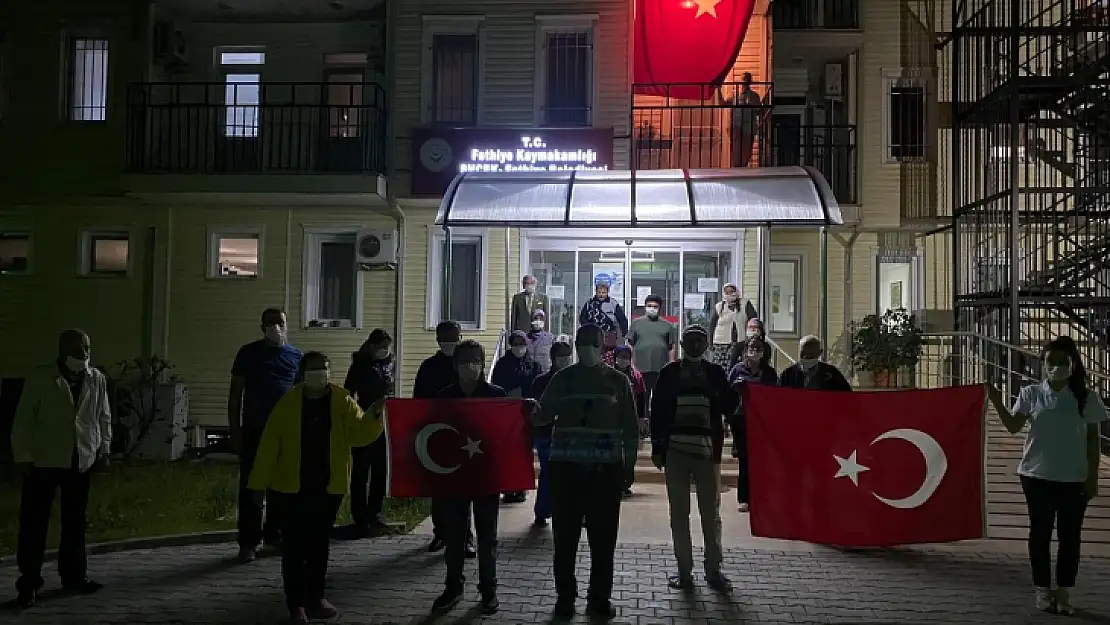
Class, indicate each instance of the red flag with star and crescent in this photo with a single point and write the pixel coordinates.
(866, 469)
(458, 447)
(687, 41)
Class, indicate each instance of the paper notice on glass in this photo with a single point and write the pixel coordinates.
(707, 285)
(555, 292)
(641, 294)
(693, 301)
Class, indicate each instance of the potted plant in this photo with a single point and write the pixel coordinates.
(882, 346)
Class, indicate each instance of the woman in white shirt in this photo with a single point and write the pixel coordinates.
(1059, 465)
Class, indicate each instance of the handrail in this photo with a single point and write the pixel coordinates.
(498, 350)
(779, 350)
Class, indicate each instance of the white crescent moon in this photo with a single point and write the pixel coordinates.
(422, 438)
(936, 465)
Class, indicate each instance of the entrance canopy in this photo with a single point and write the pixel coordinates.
(740, 197)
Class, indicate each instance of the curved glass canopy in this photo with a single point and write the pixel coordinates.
(770, 196)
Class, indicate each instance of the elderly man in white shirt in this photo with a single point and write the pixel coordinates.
(62, 429)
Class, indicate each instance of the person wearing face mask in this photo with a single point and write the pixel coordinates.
(437, 372)
(689, 407)
(470, 362)
(526, 304)
(560, 359)
(654, 339)
(607, 314)
(1059, 465)
(369, 379)
(753, 330)
(754, 368)
(62, 430)
(727, 323)
(540, 341)
(623, 362)
(263, 372)
(514, 373)
(303, 461)
(809, 372)
(594, 437)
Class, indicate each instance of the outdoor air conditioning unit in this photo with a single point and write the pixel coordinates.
(376, 249)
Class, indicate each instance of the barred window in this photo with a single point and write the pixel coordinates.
(88, 83)
(455, 79)
(907, 121)
(568, 85)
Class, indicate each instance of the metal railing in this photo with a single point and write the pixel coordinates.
(830, 149)
(815, 14)
(242, 127)
(498, 351)
(778, 355)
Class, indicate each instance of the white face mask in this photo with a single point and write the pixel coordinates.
(652, 312)
(316, 379)
(275, 334)
(1059, 373)
(76, 365)
(753, 333)
(448, 349)
(381, 354)
(731, 297)
(537, 325)
(530, 289)
(623, 363)
(520, 351)
(808, 363)
(588, 355)
(561, 362)
(470, 372)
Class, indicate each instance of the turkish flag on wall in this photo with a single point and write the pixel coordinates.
(866, 469)
(458, 447)
(687, 41)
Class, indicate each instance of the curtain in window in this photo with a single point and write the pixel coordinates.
(337, 281)
(466, 281)
(568, 79)
(454, 79)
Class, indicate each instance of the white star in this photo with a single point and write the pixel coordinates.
(849, 468)
(706, 7)
(472, 446)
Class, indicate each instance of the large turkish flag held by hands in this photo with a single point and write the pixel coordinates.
(458, 447)
(866, 469)
(687, 41)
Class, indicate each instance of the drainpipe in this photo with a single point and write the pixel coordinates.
(168, 304)
(823, 304)
(508, 282)
(849, 248)
(399, 305)
(763, 249)
(445, 289)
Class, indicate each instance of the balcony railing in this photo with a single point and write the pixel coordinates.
(815, 14)
(244, 127)
(830, 149)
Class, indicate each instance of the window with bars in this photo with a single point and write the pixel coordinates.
(88, 80)
(906, 121)
(454, 79)
(568, 78)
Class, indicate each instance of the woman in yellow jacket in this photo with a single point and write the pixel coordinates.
(303, 462)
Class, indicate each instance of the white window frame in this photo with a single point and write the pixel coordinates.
(225, 231)
(433, 310)
(21, 234)
(84, 259)
(433, 25)
(554, 24)
(788, 255)
(916, 289)
(68, 68)
(239, 69)
(310, 273)
(890, 79)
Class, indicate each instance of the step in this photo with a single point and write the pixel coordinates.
(651, 475)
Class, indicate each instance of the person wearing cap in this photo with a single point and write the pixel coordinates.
(623, 363)
(607, 314)
(691, 401)
(540, 341)
(525, 305)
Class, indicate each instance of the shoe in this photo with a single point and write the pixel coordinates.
(26, 600)
(1062, 598)
(719, 582)
(83, 587)
(298, 615)
(1045, 600)
(490, 604)
(744, 507)
(681, 582)
(437, 544)
(564, 608)
(627, 493)
(602, 610)
(470, 551)
(448, 600)
(247, 554)
(322, 610)
(539, 523)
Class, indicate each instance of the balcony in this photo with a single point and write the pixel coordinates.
(723, 131)
(244, 127)
(815, 14)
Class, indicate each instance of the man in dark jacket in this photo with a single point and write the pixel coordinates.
(809, 372)
(691, 401)
(436, 373)
(369, 379)
(560, 359)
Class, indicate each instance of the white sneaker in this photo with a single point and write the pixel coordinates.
(1063, 602)
(1045, 600)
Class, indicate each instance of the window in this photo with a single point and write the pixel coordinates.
(451, 72)
(235, 252)
(906, 119)
(565, 70)
(15, 253)
(784, 275)
(332, 283)
(469, 260)
(105, 253)
(344, 102)
(242, 92)
(88, 79)
(897, 274)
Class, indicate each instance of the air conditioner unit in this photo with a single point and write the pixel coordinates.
(376, 249)
(169, 43)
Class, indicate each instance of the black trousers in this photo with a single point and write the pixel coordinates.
(650, 378)
(36, 501)
(456, 531)
(368, 479)
(1059, 504)
(593, 495)
(252, 532)
(738, 426)
(306, 521)
(441, 515)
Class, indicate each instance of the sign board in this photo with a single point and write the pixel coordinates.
(439, 154)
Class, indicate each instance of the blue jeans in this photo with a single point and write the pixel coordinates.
(543, 490)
